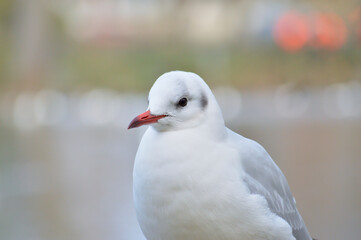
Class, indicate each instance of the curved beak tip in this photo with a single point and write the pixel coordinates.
(144, 118)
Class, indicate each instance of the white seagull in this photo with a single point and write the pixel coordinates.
(195, 179)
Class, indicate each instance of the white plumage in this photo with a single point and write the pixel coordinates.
(194, 179)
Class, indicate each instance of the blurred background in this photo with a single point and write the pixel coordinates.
(74, 73)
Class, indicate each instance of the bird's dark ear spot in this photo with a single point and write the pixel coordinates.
(204, 101)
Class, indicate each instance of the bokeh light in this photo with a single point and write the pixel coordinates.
(329, 31)
(292, 31)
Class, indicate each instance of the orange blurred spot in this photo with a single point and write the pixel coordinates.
(291, 31)
(329, 31)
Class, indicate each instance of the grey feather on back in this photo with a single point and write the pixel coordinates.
(263, 177)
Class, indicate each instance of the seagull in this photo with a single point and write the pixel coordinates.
(195, 179)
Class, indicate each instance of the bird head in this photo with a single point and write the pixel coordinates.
(178, 100)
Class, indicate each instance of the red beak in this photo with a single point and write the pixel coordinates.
(144, 118)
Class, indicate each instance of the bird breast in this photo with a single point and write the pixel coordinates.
(180, 193)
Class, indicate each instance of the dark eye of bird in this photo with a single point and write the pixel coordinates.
(183, 102)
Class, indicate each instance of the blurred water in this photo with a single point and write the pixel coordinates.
(66, 159)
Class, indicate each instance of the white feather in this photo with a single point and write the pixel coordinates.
(190, 174)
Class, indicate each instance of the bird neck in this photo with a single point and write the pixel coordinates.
(211, 125)
(214, 122)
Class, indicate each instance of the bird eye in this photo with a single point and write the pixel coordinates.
(183, 102)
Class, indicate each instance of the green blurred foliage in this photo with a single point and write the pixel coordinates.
(5, 33)
(136, 68)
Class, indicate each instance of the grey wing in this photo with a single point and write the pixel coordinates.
(263, 177)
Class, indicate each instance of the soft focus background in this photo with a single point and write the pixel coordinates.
(74, 73)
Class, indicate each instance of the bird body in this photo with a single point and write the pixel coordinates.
(195, 179)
